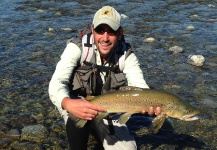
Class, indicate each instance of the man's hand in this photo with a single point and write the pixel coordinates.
(151, 111)
(81, 108)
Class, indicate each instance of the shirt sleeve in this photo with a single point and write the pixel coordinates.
(58, 86)
(133, 72)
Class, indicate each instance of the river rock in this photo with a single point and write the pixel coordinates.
(194, 16)
(34, 133)
(190, 28)
(175, 49)
(5, 142)
(18, 145)
(14, 133)
(40, 11)
(58, 14)
(149, 40)
(66, 29)
(196, 60)
(51, 29)
(212, 6)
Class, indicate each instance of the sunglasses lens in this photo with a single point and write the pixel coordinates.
(101, 30)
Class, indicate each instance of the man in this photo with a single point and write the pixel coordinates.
(109, 51)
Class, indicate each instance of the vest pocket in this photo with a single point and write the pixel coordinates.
(81, 77)
(117, 80)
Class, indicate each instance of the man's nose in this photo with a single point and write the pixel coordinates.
(105, 36)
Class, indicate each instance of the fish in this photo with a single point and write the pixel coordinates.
(132, 100)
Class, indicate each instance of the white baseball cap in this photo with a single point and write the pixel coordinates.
(107, 15)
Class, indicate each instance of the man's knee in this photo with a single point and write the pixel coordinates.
(77, 137)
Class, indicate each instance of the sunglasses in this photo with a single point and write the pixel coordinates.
(101, 30)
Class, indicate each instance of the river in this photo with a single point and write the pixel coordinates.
(33, 36)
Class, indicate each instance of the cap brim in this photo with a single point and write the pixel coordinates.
(110, 23)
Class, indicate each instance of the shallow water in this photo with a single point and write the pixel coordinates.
(29, 52)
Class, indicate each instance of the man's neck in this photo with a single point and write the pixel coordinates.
(103, 59)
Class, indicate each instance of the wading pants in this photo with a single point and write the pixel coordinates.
(112, 135)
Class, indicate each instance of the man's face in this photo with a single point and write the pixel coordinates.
(105, 39)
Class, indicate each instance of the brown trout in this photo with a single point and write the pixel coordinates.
(133, 100)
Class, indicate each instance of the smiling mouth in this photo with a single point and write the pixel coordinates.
(105, 44)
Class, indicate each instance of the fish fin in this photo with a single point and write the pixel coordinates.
(125, 117)
(78, 122)
(89, 98)
(100, 116)
(157, 123)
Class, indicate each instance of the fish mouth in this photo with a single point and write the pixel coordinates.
(189, 118)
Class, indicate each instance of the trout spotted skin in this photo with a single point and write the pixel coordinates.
(130, 100)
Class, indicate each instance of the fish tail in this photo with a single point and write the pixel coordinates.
(77, 121)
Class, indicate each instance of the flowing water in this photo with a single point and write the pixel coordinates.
(33, 36)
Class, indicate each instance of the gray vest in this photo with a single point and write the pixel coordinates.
(86, 78)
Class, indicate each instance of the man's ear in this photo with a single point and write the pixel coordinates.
(91, 27)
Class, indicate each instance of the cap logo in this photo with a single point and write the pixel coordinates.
(106, 12)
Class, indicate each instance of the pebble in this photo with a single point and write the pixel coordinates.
(66, 29)
(58, 14)
(196, 60)
(40, 11)
(49, 34)
(175, 49)
(194, 16)
(50, 29)
(211, 6)
(149, 40)
(190, 28)
(14, 133)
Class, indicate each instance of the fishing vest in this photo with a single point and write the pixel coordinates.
(86, 79)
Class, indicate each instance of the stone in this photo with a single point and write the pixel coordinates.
(175, 49)
(14, 133)
(196, 60)
(190, 28)
(34, 133)
(149, 40)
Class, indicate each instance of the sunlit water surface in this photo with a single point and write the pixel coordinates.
(29, 52)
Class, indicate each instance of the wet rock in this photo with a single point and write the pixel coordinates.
(5, 142)
(51, 29)
(66, 29)
(14, 133)
(209, 103)
(40, 11)
(175, 49)
(3, 130)
(34, 133)
(211, 6)
(149, 40)
(190, 28)
(57, 143)
(194, 16)
(49, 34)
(20, 120)
(58, 14)
(58, 127)
(196, 60)
(26, 145)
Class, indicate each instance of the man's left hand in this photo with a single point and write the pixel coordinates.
(153, 111)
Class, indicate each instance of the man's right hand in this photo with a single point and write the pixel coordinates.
(81, 108)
